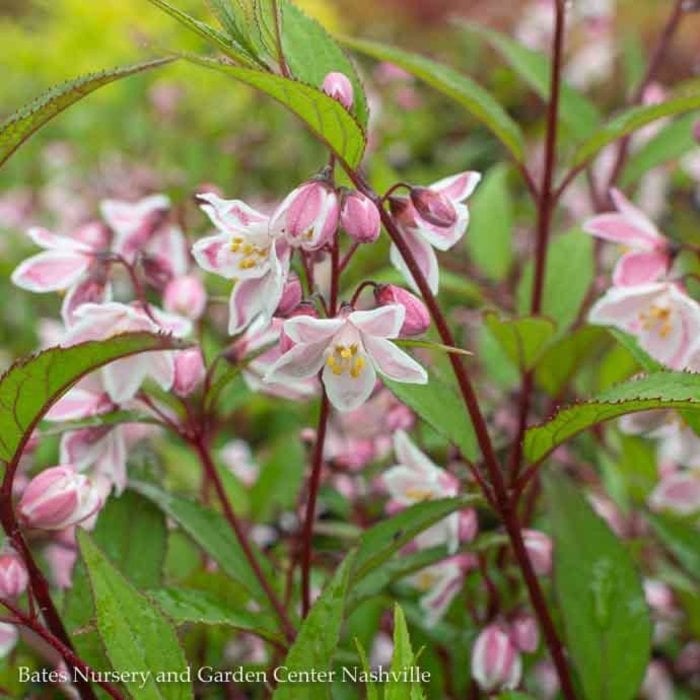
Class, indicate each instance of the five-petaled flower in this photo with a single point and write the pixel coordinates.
(350, 349)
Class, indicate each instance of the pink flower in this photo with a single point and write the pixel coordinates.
(246, 251)
(417, 320)
(69, 263)
(648, 259)
(123, 378)
(189, 371)
(440, 583)
(9, 636)
(337, 86)
(350, 349)
(359, 218)
(496, 663)
(440, 222)
(663, 318)
(13, 574)
(415, 479)
(57, 498)
(238, 457)
(678, 493)
(185, 296)
(308, 216)
(658, 684)
(539, 549)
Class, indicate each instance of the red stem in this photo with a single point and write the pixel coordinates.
(200, 446)
(65, 651)
(314, 482)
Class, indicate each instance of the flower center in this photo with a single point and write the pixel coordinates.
(346, 358)
(657, 319)
(251, 255)
(417, 494)
(425, 580)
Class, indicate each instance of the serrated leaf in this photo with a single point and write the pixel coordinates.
(386, 538)
(402, 659)
(224, 42)
(681, 538)
(578, 113)
(490, 236)
(191, 606)
(30, 387)
(672, 390)
(213, 534)
(630, 121)
(18, 127)
(568, 276)
(136, 635)
(523, 339)
(370, 686)
(458, 87)
(324, 116)
(438, 405)
(318, 638)
(600, 595)
(311, 53)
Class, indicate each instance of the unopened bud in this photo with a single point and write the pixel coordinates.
(359, 218)
(524, 632)
(496, 663)
(13, 574)
(8, 638)
(433, 207)
(156, 270)
(185, 296)
(417, 319)
(189, 371)
(337, 86)
(539, 549)
(291, 296)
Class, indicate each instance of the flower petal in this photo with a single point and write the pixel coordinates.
(425, 258)
(300, 362)
(54, 241)
(393, 362)
(620, 306)
(86, 291)
(232, 215)
(307, 329)
(347, 392)
(444, 237)
(457, 187)
(409, 456)
(640, 268)
(51, 271)
(78, 403)
(122, 378)
(382, 322)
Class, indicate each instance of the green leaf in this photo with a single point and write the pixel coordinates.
(673, 141)
(523, 339)
(672, 390)
(490, 237)
(324, 116)
(568, 276)
(458, 87)
(439, 406)
(576, 112)
(224, 42)
(388, 536)
(311, 53)
(213, 534)
(30, 387)
(18, 127)
(608, 631)
(682, 540)
(402, 659)
(238, 20)
(318, 638)
(191, 606)
(136, 635)
(630, 121)
(370, 686)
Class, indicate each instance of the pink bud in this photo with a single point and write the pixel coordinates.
(189, 371)
(417, 318)
(524, 632)
(185, 296)
(539, 549)
(468, 525)
(657, 684)
(156, 270)
(58, 497)
(291, 296)
(13, 574)
(433, 207)
(308, 216)
(688, 660)
(337, 86)
(8, 638)
(496, 663)
(360, 218)
(545, 679)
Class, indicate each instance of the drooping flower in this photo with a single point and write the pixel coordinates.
(350, 349)
(13, 574)
(648, 258)
(122, 378)
(496, 662)
(244, 250)
(664, 319)
(440, 221)
(440, 583)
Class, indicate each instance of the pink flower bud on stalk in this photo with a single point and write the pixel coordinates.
(360, 218)
(539, 549)
(308, 216)
(496, 663)
(57, 498)
(524, 632)
(291, 296)
(337, 86)
(189, 371)
(185, 296)
(433, 207)
(13, 574)
(417, 319)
